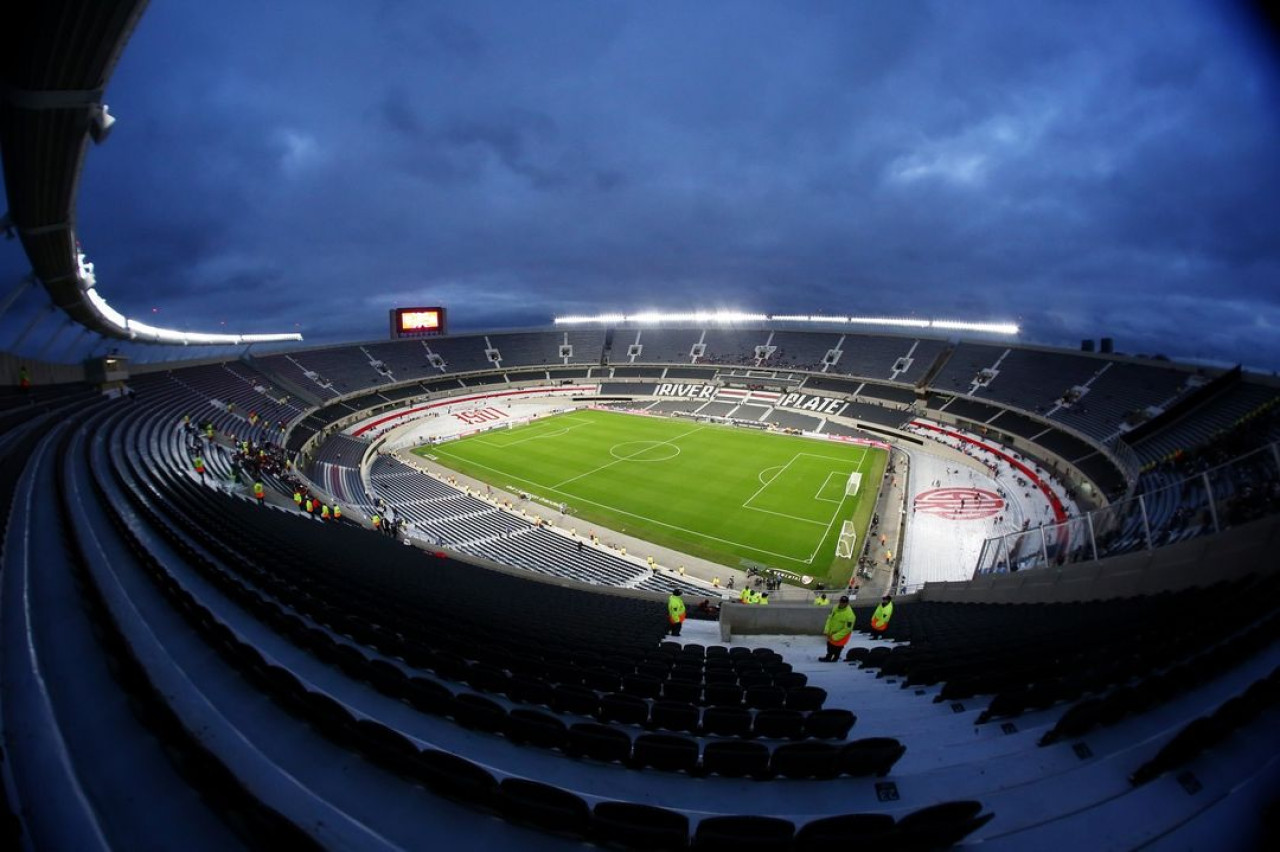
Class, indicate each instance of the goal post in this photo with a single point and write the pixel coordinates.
(855, 482)
(848, 538)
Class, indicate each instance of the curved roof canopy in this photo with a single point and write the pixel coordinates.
(56, 57)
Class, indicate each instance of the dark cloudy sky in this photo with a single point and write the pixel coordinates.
(1086, 168)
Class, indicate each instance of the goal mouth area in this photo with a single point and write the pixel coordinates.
(847, 540)
(854, 484)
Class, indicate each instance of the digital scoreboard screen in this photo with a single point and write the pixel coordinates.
(416, 322)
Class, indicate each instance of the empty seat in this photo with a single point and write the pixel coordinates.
(870, 756)
(722, 695)
(679, 691)
(603, 680)
(765, 697)
(536, 728)
(528, 689)
(938, 826)
(639, 826)
(726, 721)
(575, 699)
(805, 760)
(736, 758)
(675, 716)
(806, 698)
(829, 724)
(744, 834)
(456, 777)
(543, 805)
(599, 742)
(666, 751)
(642, 686)
(626, 709)
(386, 747)
(488, 678)
(429, 696)
(479, 713)
(824, 834)
(779, 724)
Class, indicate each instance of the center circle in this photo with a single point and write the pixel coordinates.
(644, 451)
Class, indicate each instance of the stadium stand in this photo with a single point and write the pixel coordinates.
(183, 668)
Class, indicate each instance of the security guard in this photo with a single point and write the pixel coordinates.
(675, 612)
(880, 618)
(838, 629)
(821, 599)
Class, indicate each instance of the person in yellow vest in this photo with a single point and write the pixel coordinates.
(675, 612)
(715, 582)
(337, 512)
(880, 618)
(198, 461)
(376, 520)
(764, 599)
(324, 512)
(838, 629)
(297, 498)
(308, 505)
(745, 597)
(756, 597)
(259, 493)
(821, 599)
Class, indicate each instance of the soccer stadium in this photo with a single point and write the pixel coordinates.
(416, 591)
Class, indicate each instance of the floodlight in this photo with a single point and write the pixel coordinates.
(100, 123)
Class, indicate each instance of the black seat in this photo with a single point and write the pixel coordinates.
(870, 756)
(806, 698)
(386, 747)
(575, 699)
(779, 724)
(543, 805)
(536, 728)
(736, 758)
(675, 716)
(748, 679)
(626, 709)
(456, 777)
(603, 680)
(791, 680)
(666, 751)
(329, 716)
(938, 826)
(726, 721)
(639, 826)
(642, 686)
(765, 697)
(829, 724)
(674, 690)
(529, 689)
(388, 679)
(479, 713)
(599, 742)
(488, 678)
(722, 695)
(744, 834)
(805, 760)
(824, 834)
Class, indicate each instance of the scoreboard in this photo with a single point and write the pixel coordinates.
(417, 322)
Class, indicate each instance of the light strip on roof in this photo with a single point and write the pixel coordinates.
(135, 330)
(729, 317)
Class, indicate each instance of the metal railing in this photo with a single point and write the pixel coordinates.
(1171, 508)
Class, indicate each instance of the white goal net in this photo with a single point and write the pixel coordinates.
(854, 483)
(844, 545)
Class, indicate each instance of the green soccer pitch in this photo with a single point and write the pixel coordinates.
(722, 493)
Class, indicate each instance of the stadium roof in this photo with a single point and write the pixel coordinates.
(55, 60)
